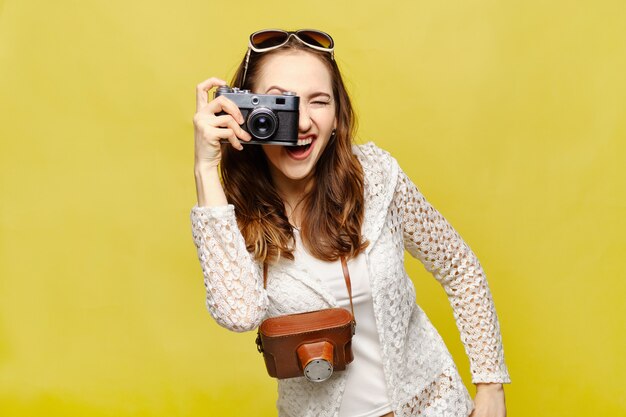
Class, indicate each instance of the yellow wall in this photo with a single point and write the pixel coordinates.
(510, 117)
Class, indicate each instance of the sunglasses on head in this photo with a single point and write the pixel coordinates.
(269, 39)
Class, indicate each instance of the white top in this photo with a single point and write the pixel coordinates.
(366, 391)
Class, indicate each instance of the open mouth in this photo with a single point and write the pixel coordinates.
(302, 150)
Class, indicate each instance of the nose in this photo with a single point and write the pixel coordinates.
(304, 122)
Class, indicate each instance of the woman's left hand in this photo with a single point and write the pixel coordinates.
(489, 401)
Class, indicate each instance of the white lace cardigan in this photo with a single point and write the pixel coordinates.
(421, 377)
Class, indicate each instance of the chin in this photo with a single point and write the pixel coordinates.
(296, 174)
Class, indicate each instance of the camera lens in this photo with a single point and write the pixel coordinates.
(262, 123)
(262, 126)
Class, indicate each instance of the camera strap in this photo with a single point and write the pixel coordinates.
(346, 275)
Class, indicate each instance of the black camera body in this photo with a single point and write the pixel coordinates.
(270, 119)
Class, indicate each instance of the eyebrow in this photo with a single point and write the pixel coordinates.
(282, 90)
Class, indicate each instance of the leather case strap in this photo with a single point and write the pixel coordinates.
(346, 275)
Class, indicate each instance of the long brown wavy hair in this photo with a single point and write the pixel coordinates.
(333, 209)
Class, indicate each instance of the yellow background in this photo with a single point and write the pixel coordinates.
(510, 117)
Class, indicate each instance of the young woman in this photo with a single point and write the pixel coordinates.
(299, 209)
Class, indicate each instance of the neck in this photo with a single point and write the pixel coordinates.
(291, 192)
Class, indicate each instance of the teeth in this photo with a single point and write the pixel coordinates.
(302, 142)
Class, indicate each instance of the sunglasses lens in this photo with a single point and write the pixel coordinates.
(313, 37)
(268, 38)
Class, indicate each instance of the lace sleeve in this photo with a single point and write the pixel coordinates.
(431, 239)
(235, 296)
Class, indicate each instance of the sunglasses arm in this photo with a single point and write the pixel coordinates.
(245, 71)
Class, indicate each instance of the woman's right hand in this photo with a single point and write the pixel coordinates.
(209, 128)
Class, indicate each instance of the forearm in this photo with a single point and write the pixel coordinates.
(465, 283)
(209, 189)
(476, 319)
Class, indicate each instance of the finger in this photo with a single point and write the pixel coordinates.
(228, 134)
(228, 121)
(223, 104)
(202, 91)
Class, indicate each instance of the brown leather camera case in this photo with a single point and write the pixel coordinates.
(323, 337)
(281, 337)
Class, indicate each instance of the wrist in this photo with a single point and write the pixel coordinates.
(489, 386)
(203, 168)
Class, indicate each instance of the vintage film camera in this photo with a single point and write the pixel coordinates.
(270, 119)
